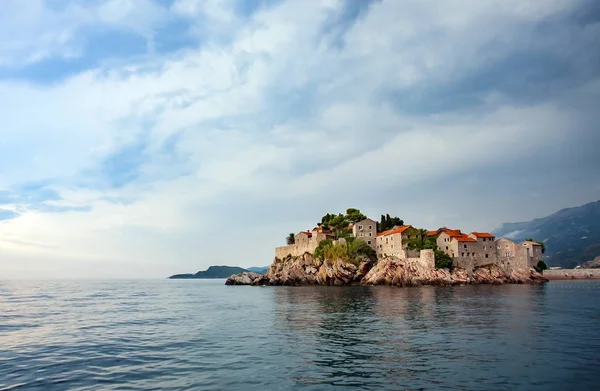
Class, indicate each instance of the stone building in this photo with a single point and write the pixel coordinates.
(467, 250)
(394, 242)
(366, 230)
(532, 252)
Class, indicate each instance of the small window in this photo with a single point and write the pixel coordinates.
(360, 227)
(370, 227)
(446, 247)
(486, 255)
(392, 246)
(370, 233)
(465, 246)
(369, 242)
(462, 254)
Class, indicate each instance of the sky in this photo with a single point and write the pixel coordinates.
(143, 138)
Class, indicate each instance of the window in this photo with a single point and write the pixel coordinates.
(392, 246)
(370, 233)
(465, 246)
(370, 227)
(362, 234)
(369, 242)
(507, 254)
(506, 246)
(462, 254)
(360, 227)
(486, 255)
(446, 247)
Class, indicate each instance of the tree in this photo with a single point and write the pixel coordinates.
(542, 265)
(291, 239)
(442, 260)
(422, 242)
(535, 241)
(388, 222)
(353, 215)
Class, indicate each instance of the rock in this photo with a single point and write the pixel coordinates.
(306, 270)
(245, 278)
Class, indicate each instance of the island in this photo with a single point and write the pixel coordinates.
(212, 272)
(352, 249)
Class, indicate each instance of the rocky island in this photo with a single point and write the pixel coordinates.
(350, 249)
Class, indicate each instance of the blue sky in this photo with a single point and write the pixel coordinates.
(143, 138)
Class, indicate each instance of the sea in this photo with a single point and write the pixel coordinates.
(203, 335)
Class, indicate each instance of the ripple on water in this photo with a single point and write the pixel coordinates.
(173, 335)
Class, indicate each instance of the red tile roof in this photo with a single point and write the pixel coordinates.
(454, 233)
(465, 238)
(307, 233)
(394, 231)
(482, 234)
(433, 233)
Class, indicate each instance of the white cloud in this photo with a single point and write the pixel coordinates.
(282, 114)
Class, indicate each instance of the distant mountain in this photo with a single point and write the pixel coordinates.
(259, 269)
(571, 236)
(212, 272)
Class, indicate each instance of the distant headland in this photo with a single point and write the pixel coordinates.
(218, 272)
(352, 249)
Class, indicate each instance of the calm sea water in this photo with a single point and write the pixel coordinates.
(200, 334)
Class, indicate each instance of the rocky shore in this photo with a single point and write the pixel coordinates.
(306, 270)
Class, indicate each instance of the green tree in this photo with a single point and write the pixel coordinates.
(541, 265)
(354, 215)
(422, 242)
(388, 222)
(291, 239)
(442, 260)
(535, 241)
(320, 250)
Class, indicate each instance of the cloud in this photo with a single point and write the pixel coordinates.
(244, 123)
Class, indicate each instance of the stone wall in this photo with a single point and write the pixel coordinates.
(297, 249)
(566, 274)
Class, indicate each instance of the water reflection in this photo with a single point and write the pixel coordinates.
(384, 336)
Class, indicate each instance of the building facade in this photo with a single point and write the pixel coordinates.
(394, 242)
(366, 230)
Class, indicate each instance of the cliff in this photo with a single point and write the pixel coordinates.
(306, 270)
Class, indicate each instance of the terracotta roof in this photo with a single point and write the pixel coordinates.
(432, 233)
(465, 238)
(306, 232)
(454, 233)
(394, 231)
(482, 234)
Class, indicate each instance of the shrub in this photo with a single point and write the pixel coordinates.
(540, 267)
(442, 260)
(350, 251)
(320, 250)
(357, 248)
